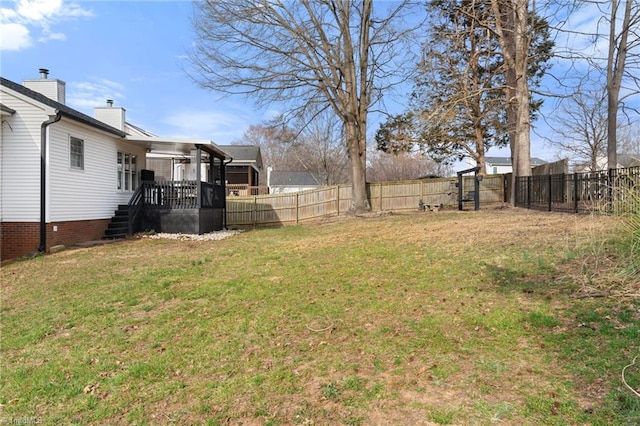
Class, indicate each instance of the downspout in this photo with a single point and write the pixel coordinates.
(43, 180)
(224, 193)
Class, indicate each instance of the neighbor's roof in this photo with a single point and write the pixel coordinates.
(629, 160)
(244, 155)
(293, 179)
(506, 161)
(138, 129)
(61, 108)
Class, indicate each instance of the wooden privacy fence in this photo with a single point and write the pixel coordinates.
(292, 208)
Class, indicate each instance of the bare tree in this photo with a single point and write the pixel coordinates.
(620, 43)
(386, 167)
(322, 150)
(307, 55)
(276, 146)
(580, 126)
(630, 139)
(609, 49)
(319, 148)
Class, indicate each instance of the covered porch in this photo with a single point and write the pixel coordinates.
(183, 188)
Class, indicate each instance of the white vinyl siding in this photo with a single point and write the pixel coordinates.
(20, 165)
(91, 195)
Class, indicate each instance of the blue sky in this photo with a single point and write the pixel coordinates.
(134, 52)
(130, 51)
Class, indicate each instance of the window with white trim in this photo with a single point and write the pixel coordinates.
(76, 153)
(127, 171)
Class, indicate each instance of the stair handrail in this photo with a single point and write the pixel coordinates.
(135, 206)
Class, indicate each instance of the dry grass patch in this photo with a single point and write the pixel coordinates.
(449, 318)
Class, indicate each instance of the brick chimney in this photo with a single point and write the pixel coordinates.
(113, 116)
(51, 88)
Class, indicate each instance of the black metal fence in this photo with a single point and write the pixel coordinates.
(607, 191)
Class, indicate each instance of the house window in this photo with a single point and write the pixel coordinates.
(127, 171)
(495, 170)
(76, 153)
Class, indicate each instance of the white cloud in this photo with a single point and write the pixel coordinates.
(14, 37)
(52, 36)
(219, 127)
(86, 95)
(33, 19)
(38, 10)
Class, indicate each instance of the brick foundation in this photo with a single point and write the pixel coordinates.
(18, 239)
(21, 238)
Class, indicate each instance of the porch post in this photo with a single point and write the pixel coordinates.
(211, 174)
(198, 177)
(223, 182)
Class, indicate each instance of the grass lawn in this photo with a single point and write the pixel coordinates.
(448, 318)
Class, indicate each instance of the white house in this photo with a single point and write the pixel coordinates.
(502, 165)
(624, 161)
(281, 182)
(64, 173)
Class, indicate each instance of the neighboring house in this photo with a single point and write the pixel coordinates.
(624, 161)
(63, 174)
(246, 166)
(286, 182)
(629, 160)
(502, 165)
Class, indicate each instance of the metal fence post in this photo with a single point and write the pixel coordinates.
(476, 191)
(575, 192)
(610, 183)
(459, 192)
(529, 191)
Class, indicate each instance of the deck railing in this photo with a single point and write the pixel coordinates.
(211, 195)
(171, 194)
(186, 194)
(135, 207)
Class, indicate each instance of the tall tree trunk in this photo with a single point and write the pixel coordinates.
(480, 151)
(523, 120)
(511, 28)
(356, 103)
(594, 160)
(615, 69)
(356, 151)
